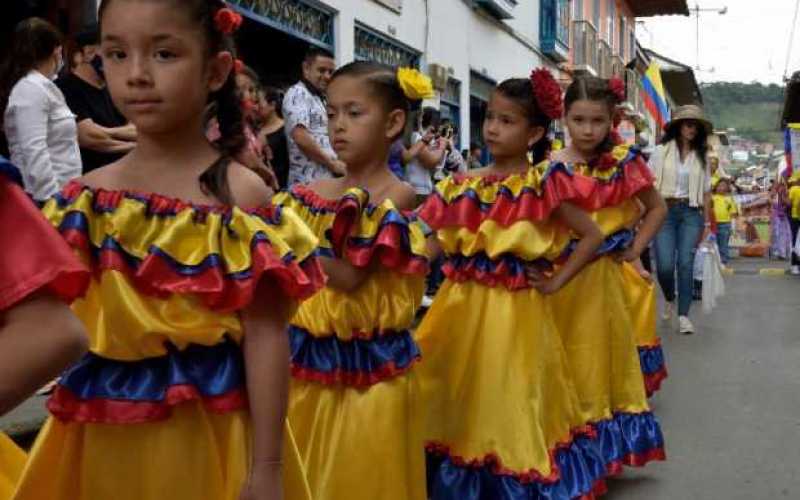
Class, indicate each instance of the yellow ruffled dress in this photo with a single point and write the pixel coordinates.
(351, 400)
(12, 461)
(595, 315)
(157, 409)
(501, 414)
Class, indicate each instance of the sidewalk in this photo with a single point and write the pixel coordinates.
(24, 422)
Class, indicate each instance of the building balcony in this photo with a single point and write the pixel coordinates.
(501, 9)
(554, 29)
(604, 69)
(617, 66)
(584, 41)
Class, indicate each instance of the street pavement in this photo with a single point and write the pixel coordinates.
(730, 409)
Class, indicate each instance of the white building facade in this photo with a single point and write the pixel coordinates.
(466, 45)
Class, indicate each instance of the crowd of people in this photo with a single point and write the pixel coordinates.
(248, 266)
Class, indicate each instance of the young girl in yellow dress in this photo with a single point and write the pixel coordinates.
(501, 414)
(39, 336)
(350, 401)
(172, 402)
(593, 312)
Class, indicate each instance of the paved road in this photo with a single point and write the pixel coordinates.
(731, 407)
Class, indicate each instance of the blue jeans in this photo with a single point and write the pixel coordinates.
(676, 241)
(723, 238)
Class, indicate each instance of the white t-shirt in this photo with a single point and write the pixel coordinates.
(42, 136)
(418, 176)
(303, 108)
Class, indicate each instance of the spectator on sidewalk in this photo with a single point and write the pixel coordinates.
(724, 210)
(683, 178)
(311, 155)
(794, 219)
(424, 154)
(41, 129)
(271, 99)
(104, 135)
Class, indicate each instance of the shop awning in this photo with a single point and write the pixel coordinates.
(650, 8)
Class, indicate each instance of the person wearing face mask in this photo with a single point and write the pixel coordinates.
(40, 128)
(104, 135)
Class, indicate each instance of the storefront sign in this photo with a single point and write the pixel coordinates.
(295, 17)
(374, 46)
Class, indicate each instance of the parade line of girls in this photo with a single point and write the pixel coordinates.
(527, 378)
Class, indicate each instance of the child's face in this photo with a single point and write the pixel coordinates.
(247, 88)
(157, 65)
(589, 123)
(358, 122)
(723, 187)
(507, 129)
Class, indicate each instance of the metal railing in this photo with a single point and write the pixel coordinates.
(617, 66)
(604, 60)
(585, 45)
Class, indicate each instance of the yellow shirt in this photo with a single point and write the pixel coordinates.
(724, 207)
(794, 199)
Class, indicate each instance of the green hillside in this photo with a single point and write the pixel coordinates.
(752, 109)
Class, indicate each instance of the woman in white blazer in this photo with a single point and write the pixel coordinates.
(41, 130)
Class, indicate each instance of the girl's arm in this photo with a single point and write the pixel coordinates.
(266, 356)
(343, 275)
(39, 338)
(655, 212)
(590, 240)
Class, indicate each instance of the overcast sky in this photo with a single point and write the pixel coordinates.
(748, 43)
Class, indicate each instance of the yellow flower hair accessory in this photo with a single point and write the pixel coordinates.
(416, 86)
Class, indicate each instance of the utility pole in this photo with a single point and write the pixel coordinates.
(696, 10)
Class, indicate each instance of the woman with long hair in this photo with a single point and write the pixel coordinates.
(41, 130)
(683, 178)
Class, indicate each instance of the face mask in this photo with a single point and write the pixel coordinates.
(59, 67)
(97, 64)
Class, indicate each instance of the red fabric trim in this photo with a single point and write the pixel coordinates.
(66, 406)
(495, 464)
(502, 276)
(35, 256)
(596, 194)
(653, 381)
(388, 245)
(465, 211)
(637, 460)
(359, 380)
(310, 198)
(155, 276)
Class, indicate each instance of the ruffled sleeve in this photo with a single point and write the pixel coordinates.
(166, 246)
(364, 234)
(464, 201)
(615, 178)
(35, 257)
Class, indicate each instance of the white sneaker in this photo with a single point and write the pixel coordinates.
(686, 326)
(426, 302)
(795, 271)
(669, 311)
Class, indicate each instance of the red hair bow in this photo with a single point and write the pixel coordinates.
(548, 93)
(617, 87)
(227, 21)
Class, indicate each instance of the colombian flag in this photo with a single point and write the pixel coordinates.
(654, 96)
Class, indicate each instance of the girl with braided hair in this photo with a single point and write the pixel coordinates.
(183, 392)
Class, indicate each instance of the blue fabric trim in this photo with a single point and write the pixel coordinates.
(212, 370)
(10, 171)
(580, 466)
(614, 243)
(651, 359)
(329, 355)
(487, 264)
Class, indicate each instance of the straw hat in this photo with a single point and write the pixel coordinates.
(690, 112)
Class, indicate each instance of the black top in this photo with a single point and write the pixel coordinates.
(90, 102)
(280, 156)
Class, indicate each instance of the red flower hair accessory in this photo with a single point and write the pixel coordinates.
(238, 66)
(227, 21)
(617, 87)
(548, 94)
